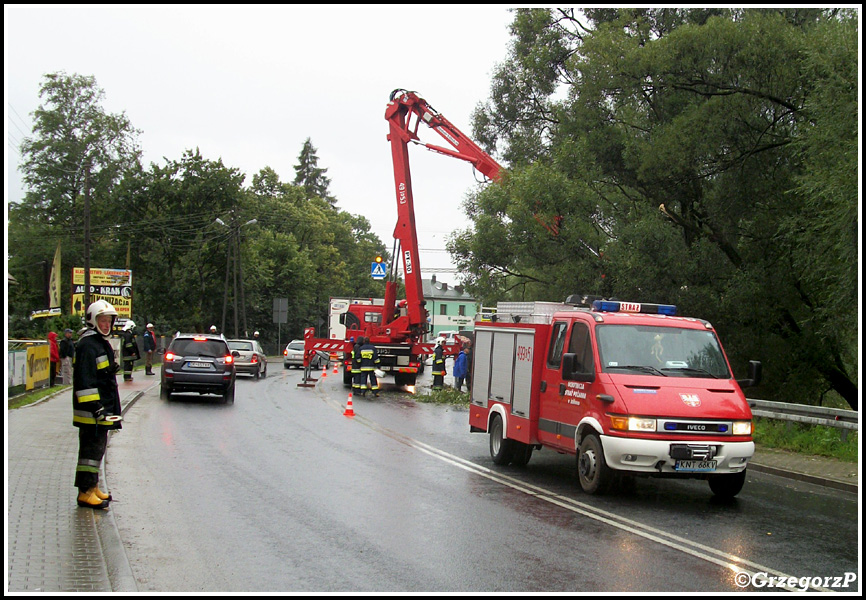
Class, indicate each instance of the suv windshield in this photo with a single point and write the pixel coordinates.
(670, 351)
(192, 347)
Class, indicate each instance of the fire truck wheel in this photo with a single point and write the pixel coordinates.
(727, 486)
(592, 470)
(501, 449)
(522, 454)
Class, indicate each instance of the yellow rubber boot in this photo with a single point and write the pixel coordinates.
(101, 495)
(89, 499)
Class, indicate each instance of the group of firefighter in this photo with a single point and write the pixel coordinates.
(365, 362)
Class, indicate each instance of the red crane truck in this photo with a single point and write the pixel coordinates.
(629, 388)
(396, 329)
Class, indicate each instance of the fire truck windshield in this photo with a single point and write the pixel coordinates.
(668, 351)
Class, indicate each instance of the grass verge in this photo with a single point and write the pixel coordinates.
(806, 439)
(34, 396)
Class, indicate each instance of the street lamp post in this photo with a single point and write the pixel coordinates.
(237, 271)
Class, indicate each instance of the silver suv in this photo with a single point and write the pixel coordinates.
(199, 362)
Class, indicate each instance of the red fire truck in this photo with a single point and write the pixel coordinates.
(397, 328)
(629, 388)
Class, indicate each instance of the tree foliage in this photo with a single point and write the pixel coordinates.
(161, 222)
(74, 143)
(310, 176)
(704, 157)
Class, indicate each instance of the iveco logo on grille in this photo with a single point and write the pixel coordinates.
(697, 427)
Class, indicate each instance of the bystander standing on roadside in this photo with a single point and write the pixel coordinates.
(54, 358)
(149, 348)
(461, 368)
(67, 353)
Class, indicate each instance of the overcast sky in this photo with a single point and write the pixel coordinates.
(248, 84)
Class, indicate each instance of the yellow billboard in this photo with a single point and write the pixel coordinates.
(112, 285)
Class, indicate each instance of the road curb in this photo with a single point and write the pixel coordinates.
(116, 561)
(822, 481)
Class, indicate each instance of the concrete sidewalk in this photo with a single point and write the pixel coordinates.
(55, 546)
(52, 545)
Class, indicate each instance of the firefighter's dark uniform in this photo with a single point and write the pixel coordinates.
(94, 397)
(369, 364)
(356, 366)
(129, 353)
(438, 371)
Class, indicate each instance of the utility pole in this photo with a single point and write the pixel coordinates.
(234, 254)
(87, 238)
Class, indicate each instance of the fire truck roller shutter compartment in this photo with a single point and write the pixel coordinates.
(503, 368)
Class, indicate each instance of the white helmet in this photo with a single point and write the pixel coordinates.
(96, 309)
(213, 328)
(440, 340)
(130, 324)
(149, 326)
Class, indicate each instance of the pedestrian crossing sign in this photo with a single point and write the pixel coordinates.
(378, 270)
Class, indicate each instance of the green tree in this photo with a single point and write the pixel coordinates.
(167, 217)
(312, 177)
(692, 150)
(75, 143)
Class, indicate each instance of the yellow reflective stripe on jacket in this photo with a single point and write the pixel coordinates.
(84, 417)
(102, 361)
(88, 395)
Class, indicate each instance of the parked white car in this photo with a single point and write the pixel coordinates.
(293, 356)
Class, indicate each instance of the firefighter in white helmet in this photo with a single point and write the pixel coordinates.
(95, 401)
(213, 329)
(128, 349)
(438, 370)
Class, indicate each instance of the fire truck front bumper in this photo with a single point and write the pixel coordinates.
(676, 457)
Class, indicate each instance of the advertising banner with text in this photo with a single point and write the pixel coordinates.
(112, 285)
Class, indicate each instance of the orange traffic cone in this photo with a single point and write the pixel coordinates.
(325, 370)
(336, 370)
(349, 412)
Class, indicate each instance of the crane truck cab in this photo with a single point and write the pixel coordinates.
(629, 388)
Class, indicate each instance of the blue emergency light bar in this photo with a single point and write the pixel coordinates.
(634, 307)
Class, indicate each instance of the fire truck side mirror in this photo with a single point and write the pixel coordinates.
(571, 370)
(755, 374)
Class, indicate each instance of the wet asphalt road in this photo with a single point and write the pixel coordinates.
(280, 492)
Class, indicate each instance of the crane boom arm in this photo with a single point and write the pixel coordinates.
(405, 113)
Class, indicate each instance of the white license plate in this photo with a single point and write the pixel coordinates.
(200, 365)
(695, 465)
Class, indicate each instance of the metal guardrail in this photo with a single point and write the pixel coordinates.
(803, 413)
